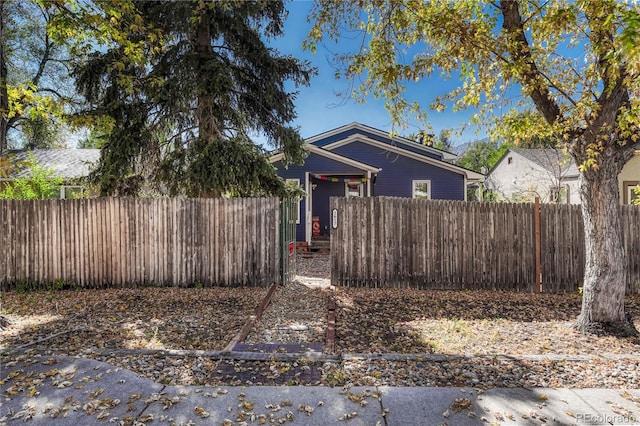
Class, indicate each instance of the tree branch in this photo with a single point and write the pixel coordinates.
(55, 92)
(602, 42)
(518, 47)
(615, 93)
(13, 120)
(46, 55)
(539, 9)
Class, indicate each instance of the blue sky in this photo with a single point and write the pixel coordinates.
(319, 107)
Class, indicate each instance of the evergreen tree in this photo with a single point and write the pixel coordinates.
(443, 142)
(183, 119)
(482, 155)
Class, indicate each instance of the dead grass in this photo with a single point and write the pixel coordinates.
(469, 323)
(148, 318)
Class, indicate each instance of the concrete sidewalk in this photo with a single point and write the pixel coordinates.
(74, 391)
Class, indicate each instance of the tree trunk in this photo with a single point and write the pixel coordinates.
(208, 130)
(606, 266)
(4, 108)
(4, 95)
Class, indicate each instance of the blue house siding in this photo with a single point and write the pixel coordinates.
(390, 167)
(337, 137)
(418, 149)
(398, 171)
(314, 163)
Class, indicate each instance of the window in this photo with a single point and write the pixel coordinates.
(629, 194)
(295, 183)
(353, 189)
(71, 192)
(421, 189)
(559, 194)
(632, 194)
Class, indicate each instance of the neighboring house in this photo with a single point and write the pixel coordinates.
(360, 161)
(629, 179)
(551, 174)
(70, 164)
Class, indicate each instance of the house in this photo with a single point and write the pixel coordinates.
(69, 164)
(551, 174)
(629, 180)
(356, 160)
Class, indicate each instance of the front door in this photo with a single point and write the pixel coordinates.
(323, 190)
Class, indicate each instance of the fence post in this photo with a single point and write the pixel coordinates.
(536, 215)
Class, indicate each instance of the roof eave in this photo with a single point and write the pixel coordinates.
(356, 125)
(331, 155)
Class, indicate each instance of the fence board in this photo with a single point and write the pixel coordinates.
(393, 242)
(114, 242)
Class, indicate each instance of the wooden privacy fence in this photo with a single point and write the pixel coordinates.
(111, 242)
(400, 242)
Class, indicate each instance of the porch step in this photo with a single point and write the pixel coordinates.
(323, 246)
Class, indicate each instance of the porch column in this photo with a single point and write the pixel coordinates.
(307, 207)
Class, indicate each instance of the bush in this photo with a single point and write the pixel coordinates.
(41, 184)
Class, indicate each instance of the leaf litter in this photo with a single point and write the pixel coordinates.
(473, 328)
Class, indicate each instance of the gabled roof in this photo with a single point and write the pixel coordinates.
(324, 143)
(332, 156)
(328, 138)
(470, 175)
(66, 163)
(553, 160)
(396, 148)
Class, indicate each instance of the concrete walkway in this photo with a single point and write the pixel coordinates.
(74, 391)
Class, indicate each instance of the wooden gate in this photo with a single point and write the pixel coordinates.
(288, 217)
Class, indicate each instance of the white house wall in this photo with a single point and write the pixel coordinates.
(630, 173)
(522, 180)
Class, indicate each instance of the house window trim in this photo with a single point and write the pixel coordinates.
(360, 189)
(297, 181)
(416, 182)
(628, 186)
(64, 188)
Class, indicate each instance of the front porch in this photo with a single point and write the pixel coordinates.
(319, 244)
(320, 187)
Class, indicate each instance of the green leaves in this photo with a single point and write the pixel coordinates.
(40, 184)
(561, 55)
(630, 40)
(482, 155)
(636, 199)
(33, 73)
